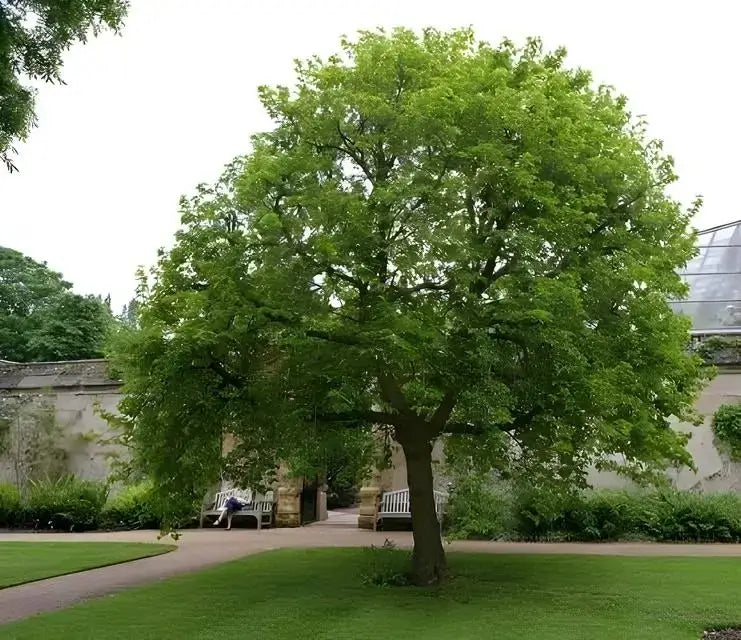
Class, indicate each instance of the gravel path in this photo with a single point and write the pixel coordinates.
(198, 549)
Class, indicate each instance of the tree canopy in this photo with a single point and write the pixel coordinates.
(42, 319)
(439, 238)
(33, 36)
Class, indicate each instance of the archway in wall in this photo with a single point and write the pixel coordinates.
(309, 501)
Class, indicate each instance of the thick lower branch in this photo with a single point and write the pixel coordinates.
(447, 285)
(362, 418)
(330, 336)
(392, 393)
(227, 377)
(442, 413)
(519, 421)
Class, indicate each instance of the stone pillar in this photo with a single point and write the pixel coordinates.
(370, 499)
(288, 509)
(228, 442)
(321, 502)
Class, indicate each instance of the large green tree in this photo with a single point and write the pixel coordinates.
(42, 319)
(441, 238)
(33, 36)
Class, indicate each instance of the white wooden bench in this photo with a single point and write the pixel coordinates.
(258, 506)
(395, 506)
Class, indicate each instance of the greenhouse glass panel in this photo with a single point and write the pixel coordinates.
(714, 280)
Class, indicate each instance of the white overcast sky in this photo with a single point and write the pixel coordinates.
(146, 116)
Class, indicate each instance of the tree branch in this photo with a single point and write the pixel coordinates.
(301, 251)
(463, 428)
(473, 429)
(332, 271)
(424, 286)
(334, 337)
(281, 317)
(489, 274)
(604, 225)
(227, 376)
(442, 413)
(356, 154)
(366, 417)
(392, 393)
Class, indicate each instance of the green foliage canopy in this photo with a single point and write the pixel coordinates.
(440, 238)
(33, 36)
(41, 318)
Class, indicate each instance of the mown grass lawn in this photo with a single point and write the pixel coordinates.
(318, 594)
(28, 561)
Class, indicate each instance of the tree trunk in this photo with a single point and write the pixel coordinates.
(428, 558)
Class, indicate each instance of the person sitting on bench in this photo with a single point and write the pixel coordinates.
(231, 506)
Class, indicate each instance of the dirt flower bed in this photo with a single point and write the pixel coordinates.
(722, 634)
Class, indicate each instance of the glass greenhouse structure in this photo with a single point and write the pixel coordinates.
(714, 279)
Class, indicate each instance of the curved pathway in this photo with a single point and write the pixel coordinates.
(198, 549)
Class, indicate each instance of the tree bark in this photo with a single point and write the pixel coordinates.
(428, 558)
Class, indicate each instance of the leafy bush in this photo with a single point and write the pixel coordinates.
(669, 515)
(132, 508)
(341, 496)
(68, 503)
(476, 511)
(697, 517)
(610, 515)
(589, 516)
(384, 566)
(602, 515)
(542, 514)
(727, 429)
(10, 505)
(138, 507)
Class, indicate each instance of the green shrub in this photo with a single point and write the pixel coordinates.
(583, 516)
(609, 515)
(68, 503)
(477, 511)
(696, 517)
(384, 566)
(340, 497)
(602, 515)
(132, 508)
(622, 515)
(138, 507)
(543, 514)
(10, 505)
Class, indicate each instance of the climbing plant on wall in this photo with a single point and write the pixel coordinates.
(30, 439)
(720, 350)
(727, 430)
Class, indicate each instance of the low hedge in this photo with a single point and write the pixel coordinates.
(138, 507)
(131, 508)
(10, 505)
(477, 511)
(69, 503)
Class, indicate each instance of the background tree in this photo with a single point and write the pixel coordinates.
(342, 462)
(42, 319)
(129, 315)
(441, 238)
(33, 35)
